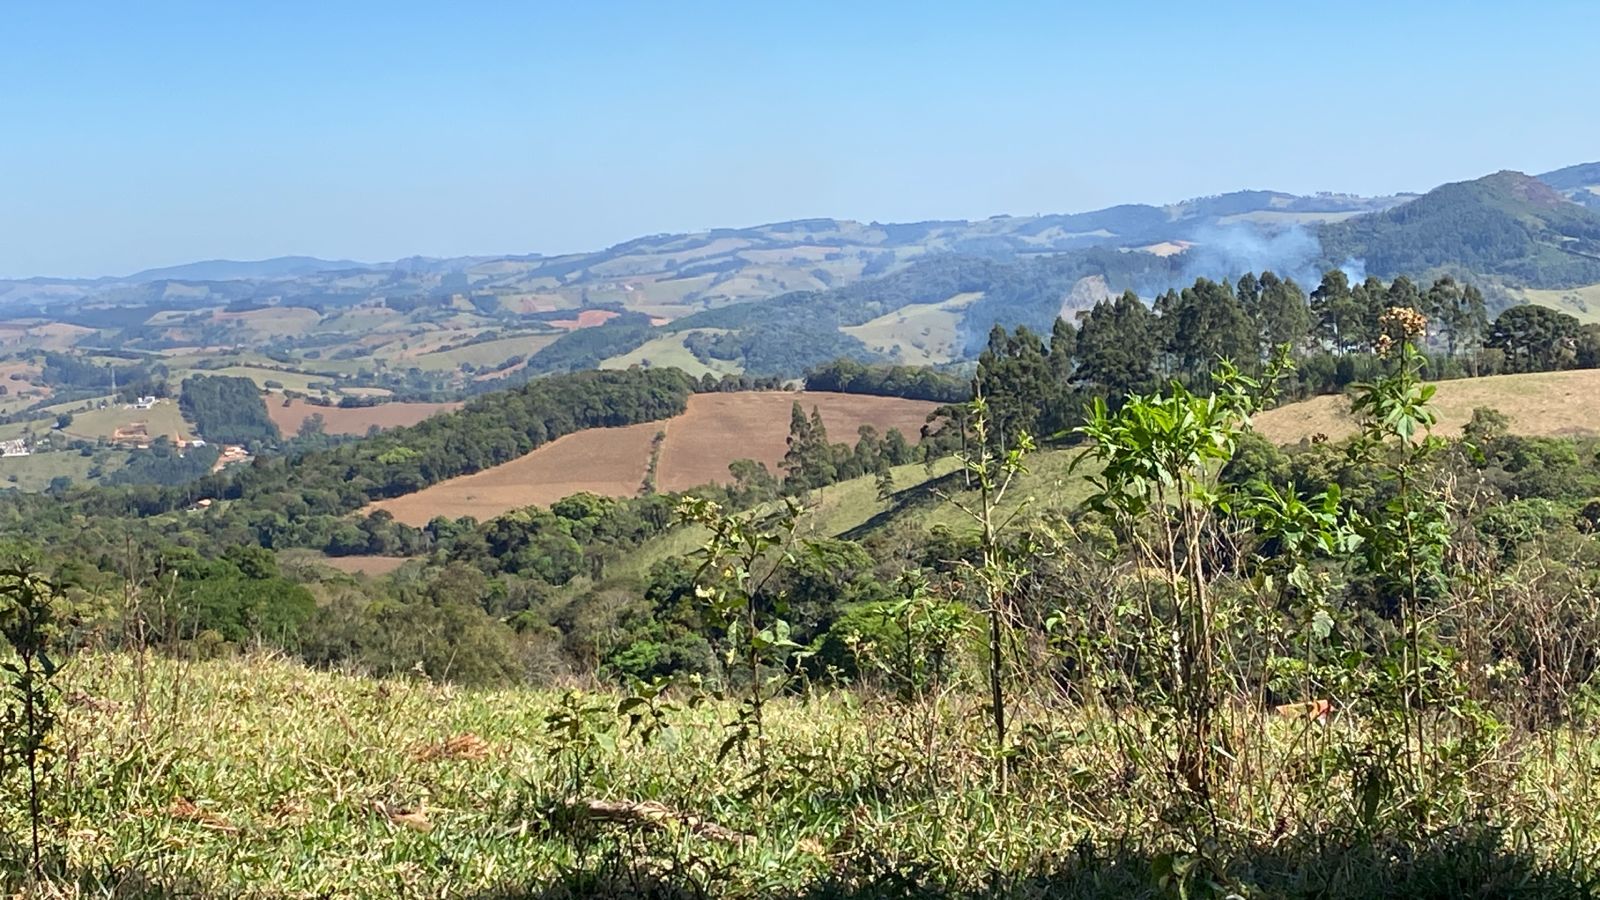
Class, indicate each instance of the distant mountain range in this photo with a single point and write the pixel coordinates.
(231, 270)
(1533, 232)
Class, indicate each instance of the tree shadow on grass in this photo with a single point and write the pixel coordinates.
(106, 883)
(920, 497)
(1464, 864)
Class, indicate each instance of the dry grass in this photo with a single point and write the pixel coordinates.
(337, 420)
(919, 334)
(262, 778)
(1583, 303)
(1546, 404)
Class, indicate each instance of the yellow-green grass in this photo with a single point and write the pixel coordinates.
(164, 418)
(192, 357)
(272, 322)
(294, 381)
(1549, 404)
(34, 473)
(919, 334)
(923, 498)
(1582, 303)
(361, 318)
(260, 777)
(668, 351)
(485, 353)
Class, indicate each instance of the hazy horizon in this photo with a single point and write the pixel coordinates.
(146, 137)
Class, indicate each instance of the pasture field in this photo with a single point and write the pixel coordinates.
(261, 777)
(294, 381)
(919, 334)
(1540, 404)
(668, 351)
(486, 353)
(1582, 303)
(162, 419)
(271, 322)
(34, 473)
(288, 414)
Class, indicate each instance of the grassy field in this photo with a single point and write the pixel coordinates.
(294, 381)
(924, 497)
(1540, 404)
(34, 473)
(162, 419)
(259, 777)
(917, 335)
(1583, 303)
(668, 351)
(273, 322)
(487, 353)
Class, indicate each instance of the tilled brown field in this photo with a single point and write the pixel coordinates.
(607, 461)
(355, 420)
(720, 428)
(715, 430)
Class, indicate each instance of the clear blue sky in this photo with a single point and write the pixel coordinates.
(143, 134)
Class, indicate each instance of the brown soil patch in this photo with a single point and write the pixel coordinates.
(586, 319)
(608, 461)
(353, 420)
(715, 430)
(720, 428)
(365, 565)
(1544, 404)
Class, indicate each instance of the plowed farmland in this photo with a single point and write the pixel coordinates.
(355, 420)
(715, 430)
(720, 428)
(608, 461)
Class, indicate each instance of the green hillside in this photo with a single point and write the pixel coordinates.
(1505, 224)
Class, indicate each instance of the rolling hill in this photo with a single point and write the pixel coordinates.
(1507, 224)
(695, 449)
(1580, 183)
(1540, 404)
(672, 275)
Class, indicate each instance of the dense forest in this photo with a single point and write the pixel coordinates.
(227, 409)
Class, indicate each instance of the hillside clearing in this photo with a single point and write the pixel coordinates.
(288, 415)
(919, 334)
(715, 430)
(720, 428)
(668, 351)
(1582, 303)
(1544, 404)
(607, 461)
(162, 419)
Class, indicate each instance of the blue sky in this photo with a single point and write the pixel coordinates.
(144, 134)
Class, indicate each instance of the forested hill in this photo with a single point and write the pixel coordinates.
(1507, 224)
(674, 274)
(1580, 183)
